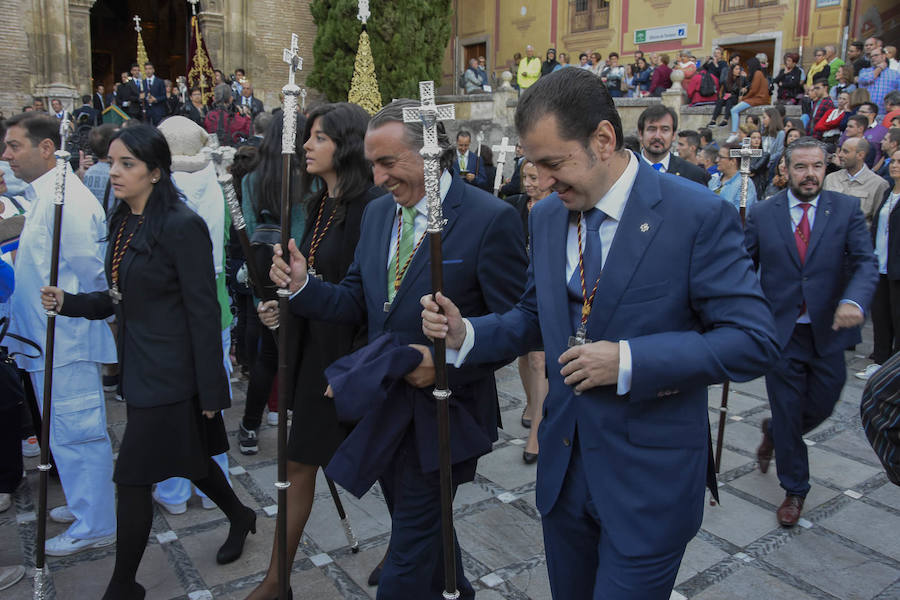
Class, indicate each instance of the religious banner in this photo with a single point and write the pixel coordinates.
(200, 69)
(142, 58)
(364, 85)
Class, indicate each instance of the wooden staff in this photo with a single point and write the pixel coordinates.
(41, 575)
(744, 153)
(288, 147)
(429, 115)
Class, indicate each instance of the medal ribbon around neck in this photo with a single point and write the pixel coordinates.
(588, 301)
(120, 250)
(398, 272)
(318, 236)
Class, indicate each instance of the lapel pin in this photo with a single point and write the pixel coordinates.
(827, 211)
(645, 227)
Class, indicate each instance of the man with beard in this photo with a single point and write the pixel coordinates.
(817, 281)
(656, 128)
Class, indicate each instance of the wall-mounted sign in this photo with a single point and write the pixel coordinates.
(660, 34)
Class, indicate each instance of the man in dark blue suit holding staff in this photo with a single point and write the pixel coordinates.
(484, 266)
(642, 295)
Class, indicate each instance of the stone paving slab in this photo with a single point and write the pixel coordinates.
(850, 550)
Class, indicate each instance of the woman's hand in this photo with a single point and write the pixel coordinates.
(209, 414)
(52, 298)
(268, 313)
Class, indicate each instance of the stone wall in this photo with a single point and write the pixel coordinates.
(15, 56)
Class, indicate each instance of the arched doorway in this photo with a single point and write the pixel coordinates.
(164, 26)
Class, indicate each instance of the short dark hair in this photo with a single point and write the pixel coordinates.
(196, 88)
(871, 105)
(393, 113)
(85, 99)
(705, 134)
(38, 127)
(692, 138)
(100, 138)
(860, 120)
(241, 70)
(710, 153)
(611, 54)
(133, 65)
(582, 55)
(463, 134)
(656, 112)
(893, 134)
(149, 64)
(729, 146)
(803, 143)
(858, 45)
(578, 100)
(892, 98)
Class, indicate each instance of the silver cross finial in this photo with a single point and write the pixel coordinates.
(193, 4)
(502, 149)
(429, 115)
(137, 23)
(745, 153)
(292, 58)
(364, 12)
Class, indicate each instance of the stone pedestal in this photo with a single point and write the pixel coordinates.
(674, 96)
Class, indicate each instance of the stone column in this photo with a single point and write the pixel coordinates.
(53, 47)
(80, 26)
(212, 27)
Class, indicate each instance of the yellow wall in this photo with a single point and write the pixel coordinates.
(707, 26)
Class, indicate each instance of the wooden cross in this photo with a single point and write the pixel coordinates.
(364, 12)
(745, 153)
(292, 58)
(137, 23)
(503, 148)
(429, 114)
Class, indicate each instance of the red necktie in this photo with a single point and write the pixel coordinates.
(801, 233)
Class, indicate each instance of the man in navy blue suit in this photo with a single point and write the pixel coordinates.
(819, 272)
(154, 90)
(484, 266)
(466, 164)
(641, 299)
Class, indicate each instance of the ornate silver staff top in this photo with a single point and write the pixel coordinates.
(502, 149)
(292, 57)
(745, 153)
(193, 4)
(137, 23)
(429, 115)
(479, 140)
(364, 13)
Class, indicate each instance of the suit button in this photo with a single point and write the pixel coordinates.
(566, 442)
(806, 279)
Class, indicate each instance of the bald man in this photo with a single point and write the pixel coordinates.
(856, 179)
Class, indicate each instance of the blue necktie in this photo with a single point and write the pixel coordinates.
(658, 166)
(593, 262)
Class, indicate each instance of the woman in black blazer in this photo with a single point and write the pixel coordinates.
(159, 266)
(335, 166)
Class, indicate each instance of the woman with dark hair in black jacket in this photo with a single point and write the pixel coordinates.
(729, 93)
(159, 266)
(336, 167)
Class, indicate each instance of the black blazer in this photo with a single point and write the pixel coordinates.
(170, 339)
(682, 168)
(129, 92)
(893, 253)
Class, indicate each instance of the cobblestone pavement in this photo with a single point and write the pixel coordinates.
(847, 547)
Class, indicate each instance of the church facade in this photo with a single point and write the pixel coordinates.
(63, 48)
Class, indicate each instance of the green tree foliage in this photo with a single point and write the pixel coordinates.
(408, 38)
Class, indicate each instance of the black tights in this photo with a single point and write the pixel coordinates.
(134, 518)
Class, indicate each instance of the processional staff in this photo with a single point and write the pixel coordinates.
(428, 115)
(290, 92)
(479, 139)
(41, 574)
(745, 153)
(503, 148)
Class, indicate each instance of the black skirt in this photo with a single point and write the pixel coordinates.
(174, 440)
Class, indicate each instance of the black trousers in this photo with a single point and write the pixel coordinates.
(723, 106)
(262, 373)
(886, 318)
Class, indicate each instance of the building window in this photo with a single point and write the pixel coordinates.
(732, 5)
(587, 15)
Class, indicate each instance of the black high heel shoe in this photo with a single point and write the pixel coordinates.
(290, 595)
(234, 545)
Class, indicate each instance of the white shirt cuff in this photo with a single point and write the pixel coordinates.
(846, 301)
(623, 385)
(458, 357)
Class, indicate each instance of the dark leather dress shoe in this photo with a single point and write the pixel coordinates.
(766, 447)
(529, 457)
(789, 511)
(374, 576)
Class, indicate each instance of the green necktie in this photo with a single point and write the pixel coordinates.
(463, 162)
(404, 251)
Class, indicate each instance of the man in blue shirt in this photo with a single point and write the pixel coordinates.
(729, 183)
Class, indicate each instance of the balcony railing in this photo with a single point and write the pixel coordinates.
(733, 5)
(588, 15)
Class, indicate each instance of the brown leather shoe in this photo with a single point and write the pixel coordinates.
(789, 511)
(766, 447)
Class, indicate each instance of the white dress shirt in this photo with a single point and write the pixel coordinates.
(613, 205)
(664, 162)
